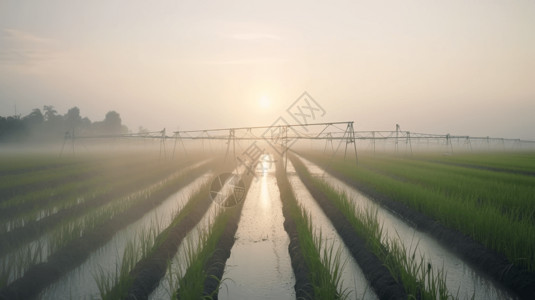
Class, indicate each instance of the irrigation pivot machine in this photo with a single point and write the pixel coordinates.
(330, 137)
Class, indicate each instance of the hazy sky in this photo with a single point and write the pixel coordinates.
(459, 67)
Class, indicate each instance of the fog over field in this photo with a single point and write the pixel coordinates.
(181, 149)
(458, 67)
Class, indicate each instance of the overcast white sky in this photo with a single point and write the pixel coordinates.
(459, 67)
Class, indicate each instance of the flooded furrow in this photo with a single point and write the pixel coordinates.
(40, 246)
(179, 264)
(462, 280)
(353, 279)
(54, 208)
(259, 265)
(80, 283)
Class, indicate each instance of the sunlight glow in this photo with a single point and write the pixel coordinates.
(264, 102)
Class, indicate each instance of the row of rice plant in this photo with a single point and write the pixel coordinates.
(27, 207)
(97, 191)
(117, 284)
(488, 187)
(114, 285)
(187, 278)
(43, 203)
(504, 161)
(28, 180)
(82, 171)
(323, 261)
(501, 229)
(70, 229)
(13, 265)
(420, 279)
(16, 162)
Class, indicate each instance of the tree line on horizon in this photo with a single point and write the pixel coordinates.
(49, 126)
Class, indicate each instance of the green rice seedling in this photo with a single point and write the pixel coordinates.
(148, 236)
(327, 271)
(5, 273)
(145, 242)
(26, 179)
(507, 191)
(420, 279)
(323, 261)
(191, 282)
(16, 163)
(64, 194)
(512, 161)
(72, 229)
(14, 265)
(115, 285)
(416, 275)
(504, 230)
(75, 227)
(192, 244)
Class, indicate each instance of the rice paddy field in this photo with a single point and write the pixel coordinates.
(310, 225)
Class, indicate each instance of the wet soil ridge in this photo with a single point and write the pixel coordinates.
(303, 286)
(149, 271)
(215, 266)
(32, 230)
(497, 266)
(39, 276)
(380, 278)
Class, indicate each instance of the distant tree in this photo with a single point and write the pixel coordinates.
(112, 122)
(72, 118)
(53, 126)
(85, 124)
(50, 112)
(4, 130)
(35, 118)
(48, 126)
(12, 129)
(33, 124)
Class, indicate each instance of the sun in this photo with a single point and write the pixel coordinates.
(264, 102)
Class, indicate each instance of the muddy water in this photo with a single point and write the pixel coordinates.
(353, 280)
(462, 280)
(259, 266)
(179, 264)
(80, 283)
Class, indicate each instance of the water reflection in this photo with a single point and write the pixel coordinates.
(80, 283)
(259, 265)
